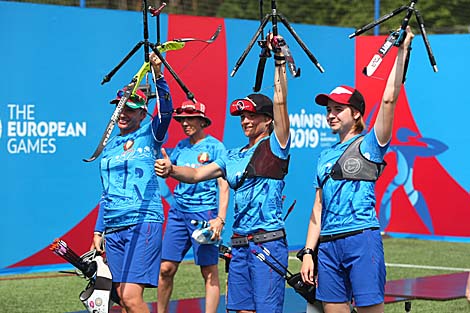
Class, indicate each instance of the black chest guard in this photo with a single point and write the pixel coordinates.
(264, 163)
(352, 165)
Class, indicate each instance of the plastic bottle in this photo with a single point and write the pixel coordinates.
(203, 234)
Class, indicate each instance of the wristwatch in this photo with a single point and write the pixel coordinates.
(304, 251)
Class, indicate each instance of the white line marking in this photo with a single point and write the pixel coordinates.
(429, 267)
(443, 268)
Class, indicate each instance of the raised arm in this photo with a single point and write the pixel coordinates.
(281, 116)
(384, 122)
(162, 118)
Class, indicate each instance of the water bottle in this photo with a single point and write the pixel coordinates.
(203, 234)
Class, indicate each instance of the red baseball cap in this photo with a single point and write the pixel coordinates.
(343, 95)
(190, 109)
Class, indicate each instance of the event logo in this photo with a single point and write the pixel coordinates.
(310, 130)
(26, 135)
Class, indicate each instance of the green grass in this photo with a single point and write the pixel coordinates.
(53, 292)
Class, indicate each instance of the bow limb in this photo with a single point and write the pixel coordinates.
(171, 45)
(178, 44)
(209, 41)
(144, 69)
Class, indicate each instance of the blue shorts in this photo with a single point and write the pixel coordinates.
(352, 267)
(134, 254)
(252, 284)
(177, 239)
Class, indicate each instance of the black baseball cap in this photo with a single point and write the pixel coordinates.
(256, 103)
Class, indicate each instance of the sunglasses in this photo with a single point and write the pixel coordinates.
(188, 110)
(134, 97)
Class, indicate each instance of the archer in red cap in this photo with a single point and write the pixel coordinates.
(344, 216)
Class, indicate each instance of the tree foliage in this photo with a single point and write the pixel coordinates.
(450, 16)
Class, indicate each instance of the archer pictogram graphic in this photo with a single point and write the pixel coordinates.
(410, 147)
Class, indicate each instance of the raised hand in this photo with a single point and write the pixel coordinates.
(156, 64)
(409, 37)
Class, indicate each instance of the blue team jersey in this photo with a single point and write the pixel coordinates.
(130, 188)
(258, 202)
(202, 196)
(348, 205)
